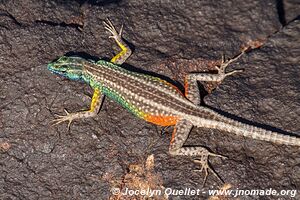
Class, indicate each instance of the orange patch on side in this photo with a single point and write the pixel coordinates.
(161, 120)
(186, 86)
(173, 135)
(173, 86)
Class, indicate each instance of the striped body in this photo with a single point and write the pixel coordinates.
(157, 101)
(147, 97)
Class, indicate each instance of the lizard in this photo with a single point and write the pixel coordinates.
(158, 101)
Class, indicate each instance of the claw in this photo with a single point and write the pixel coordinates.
(217, 155)
(233, 72)
(205, 166)
(223, 58)
(66, 111)
(224, 63)
(61, 118)
(110, 27)
(121, 30)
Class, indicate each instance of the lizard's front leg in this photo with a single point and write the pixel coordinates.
(191, 85)
(98, 98)
(126, 51)
(179, 136)
(95, 106)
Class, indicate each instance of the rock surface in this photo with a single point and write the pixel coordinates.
(40, 161)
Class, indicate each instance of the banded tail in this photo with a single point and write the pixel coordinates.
(254, 132)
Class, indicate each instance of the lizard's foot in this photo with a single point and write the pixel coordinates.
(110, 27)
(126, 51)
(68, 117)
(221, 69)
(203, 161)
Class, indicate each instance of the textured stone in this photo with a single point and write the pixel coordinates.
(41, 161)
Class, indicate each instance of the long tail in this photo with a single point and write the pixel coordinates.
(254, 132)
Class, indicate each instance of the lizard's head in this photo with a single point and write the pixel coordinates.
(70, 67)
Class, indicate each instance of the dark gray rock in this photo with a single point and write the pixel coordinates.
(268, 93)
(38, 161)
(289, 10)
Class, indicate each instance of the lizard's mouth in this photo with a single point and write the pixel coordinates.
(56, 70)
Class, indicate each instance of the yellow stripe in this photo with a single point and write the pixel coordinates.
(124, 51)
(95, 99)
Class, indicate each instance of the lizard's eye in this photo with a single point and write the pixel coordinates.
(62, 59)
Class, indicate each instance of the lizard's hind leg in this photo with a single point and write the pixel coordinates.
(191, 86)
(179, 136)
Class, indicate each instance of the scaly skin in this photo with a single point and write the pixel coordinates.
(157, 101)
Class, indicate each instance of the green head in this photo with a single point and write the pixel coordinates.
(70, 67)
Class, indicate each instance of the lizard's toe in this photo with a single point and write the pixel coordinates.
(62, 118)
(203, 161)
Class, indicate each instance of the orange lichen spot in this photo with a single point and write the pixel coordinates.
(5, 146)
(140, 177)
(161, 120)
(253, 44)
